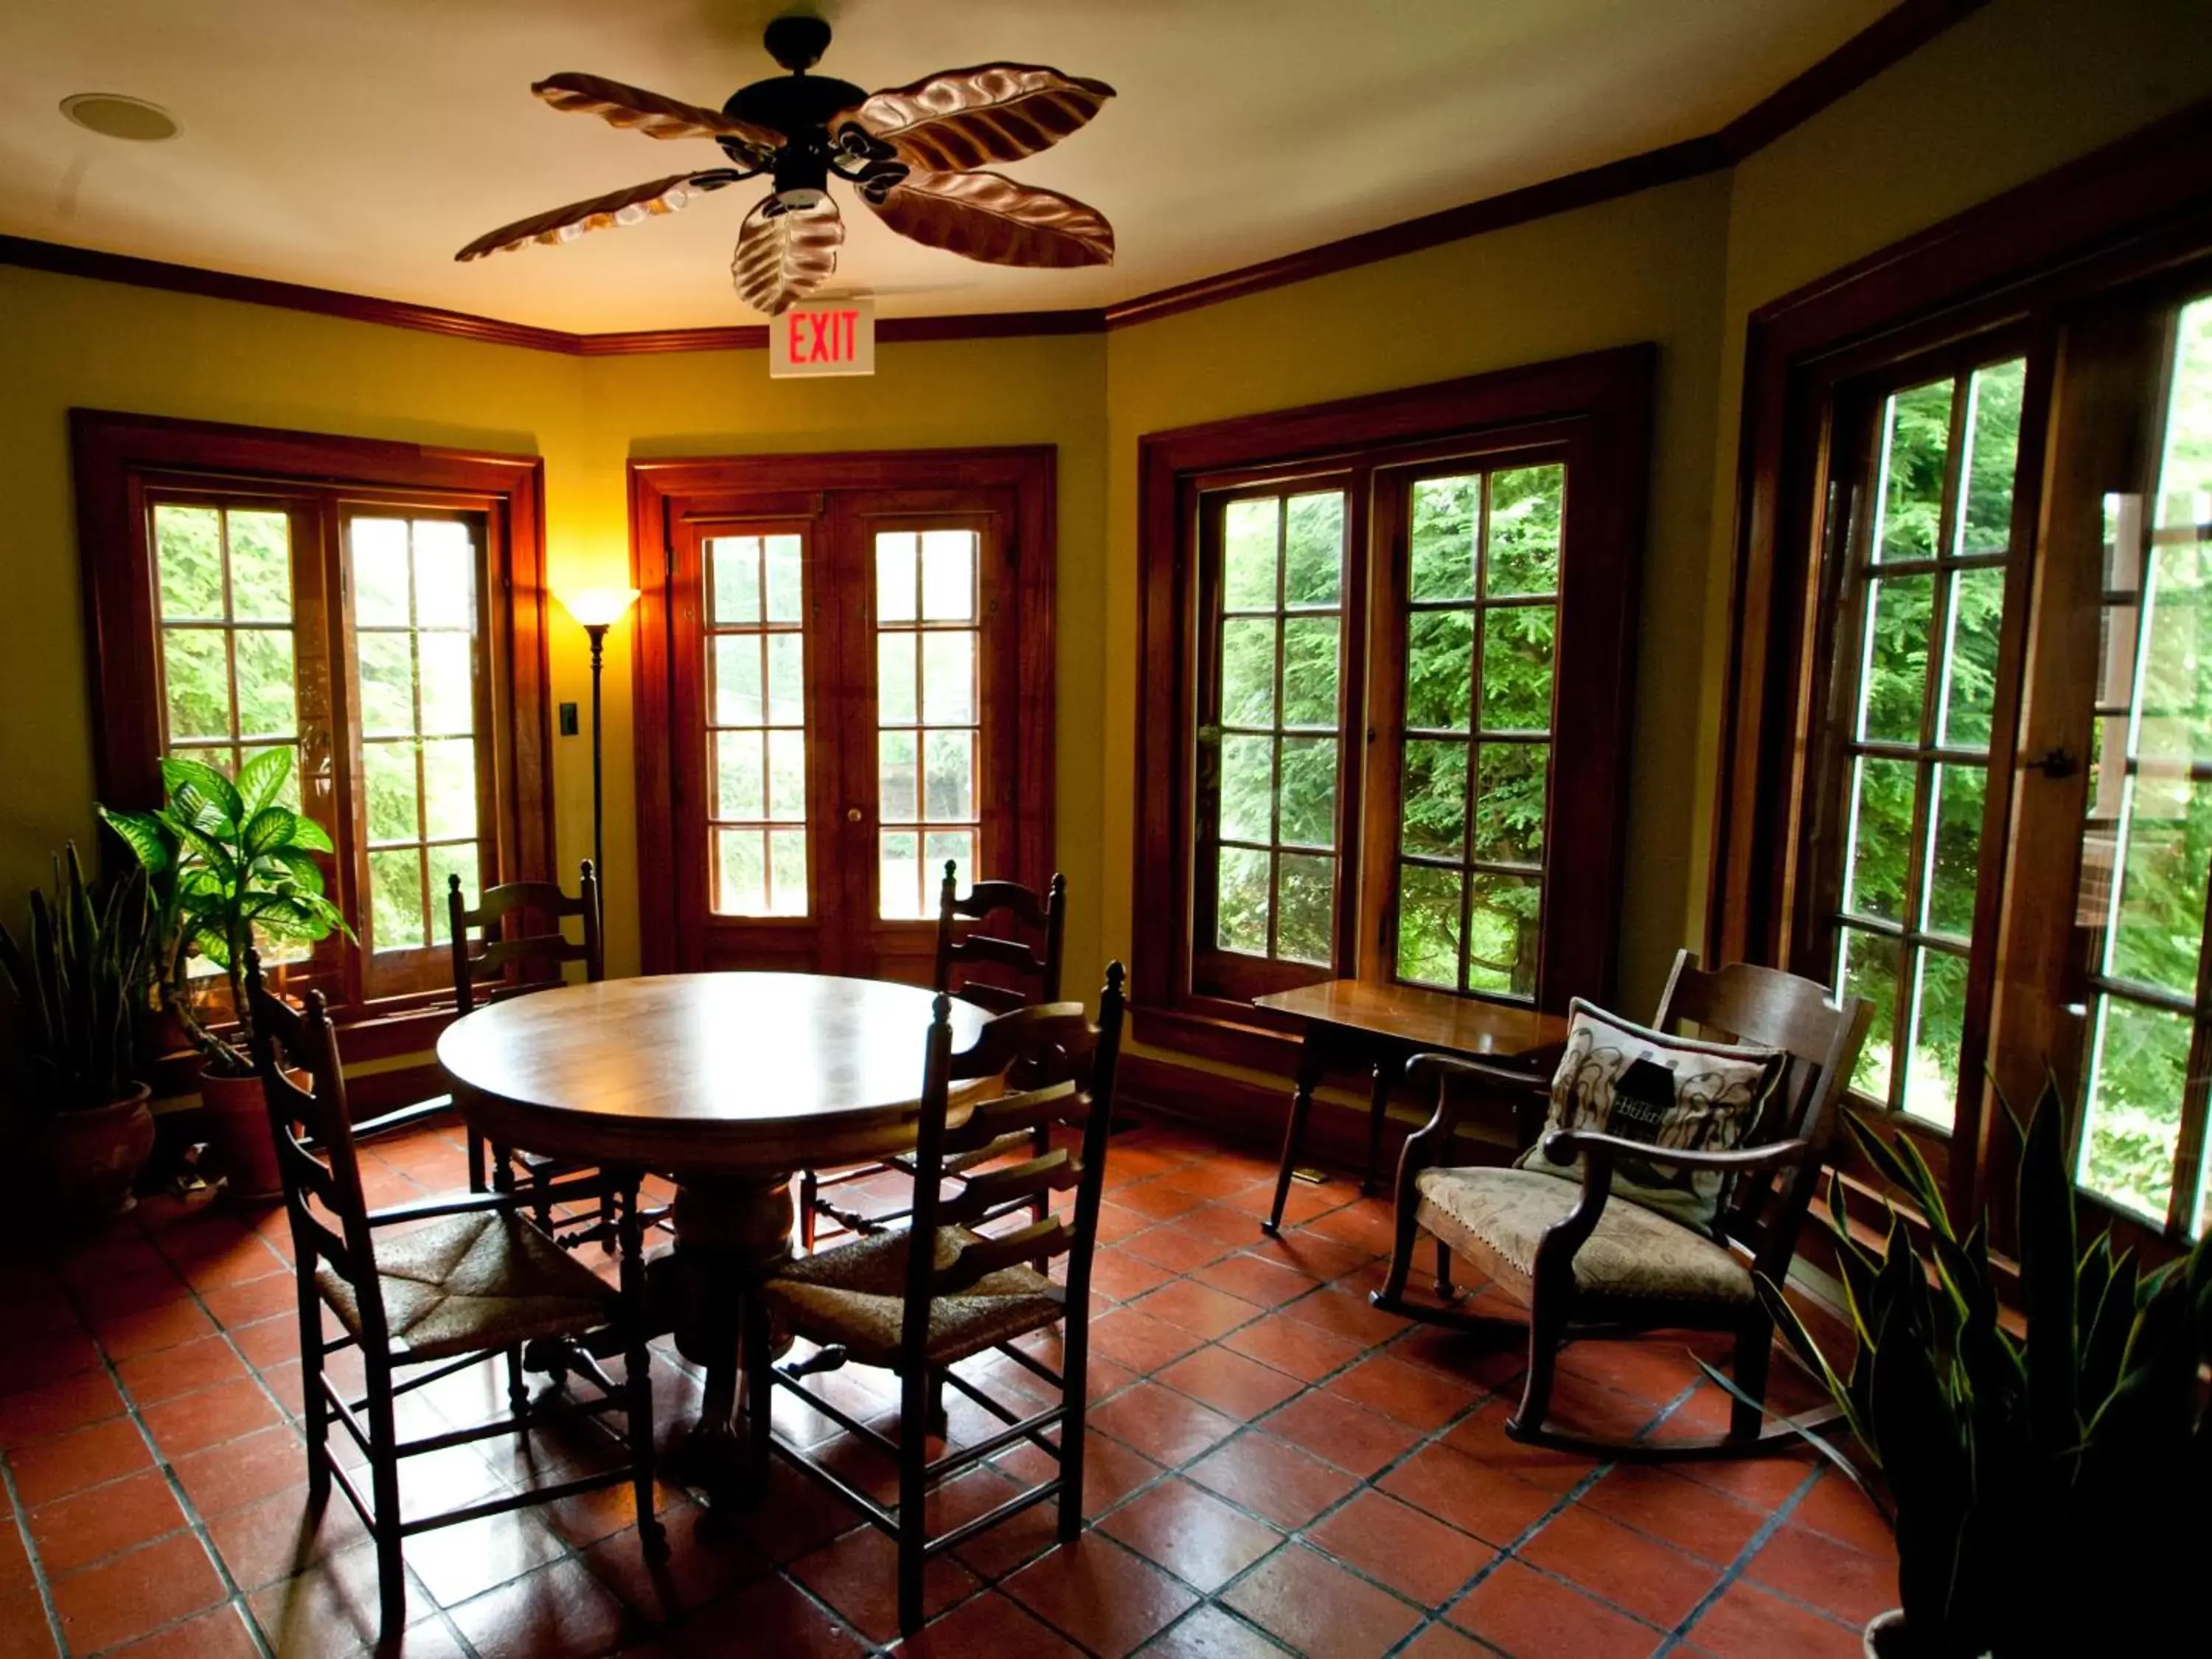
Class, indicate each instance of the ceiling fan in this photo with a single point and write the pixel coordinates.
(913, 154)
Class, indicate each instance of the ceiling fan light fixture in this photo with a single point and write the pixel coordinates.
(801, 198)
(115, 115)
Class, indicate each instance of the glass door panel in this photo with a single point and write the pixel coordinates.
(2146, 837)
(756, 663)
(415, 688)
(1925, 609)
(928, 715)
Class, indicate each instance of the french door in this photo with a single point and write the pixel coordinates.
(849, 715)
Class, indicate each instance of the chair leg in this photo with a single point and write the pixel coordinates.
(1446, 1291)
(637, 1365)
(384, 1473)
(517, 1393)
(759, 1392)
(810, 1188)
(1393, 1293)
(1075, 1392)
(913, 1519)
(478, 1175)
(311, 1390)
(1754, 1343)
(1544, 1333)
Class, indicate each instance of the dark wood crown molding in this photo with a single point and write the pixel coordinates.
(1893, 35)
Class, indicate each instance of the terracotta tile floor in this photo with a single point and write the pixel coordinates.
(1275, 1467)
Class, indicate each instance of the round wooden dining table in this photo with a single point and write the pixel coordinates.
(728, 1084)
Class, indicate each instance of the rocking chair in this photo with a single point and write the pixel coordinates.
(1585, 1266)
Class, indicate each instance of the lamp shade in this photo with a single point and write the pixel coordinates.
(598, 607)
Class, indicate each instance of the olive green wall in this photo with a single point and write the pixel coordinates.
(65, 343)
(2016, 89)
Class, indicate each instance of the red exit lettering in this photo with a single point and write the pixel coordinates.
(824, 337)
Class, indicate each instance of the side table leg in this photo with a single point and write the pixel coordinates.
(1294, 1133)
(1378, 1110)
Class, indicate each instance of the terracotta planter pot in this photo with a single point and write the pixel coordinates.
(238, 1127)
(90, 1158)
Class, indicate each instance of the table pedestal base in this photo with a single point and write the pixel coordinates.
(731, 1232)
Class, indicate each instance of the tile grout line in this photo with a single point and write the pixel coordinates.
(38, 1579)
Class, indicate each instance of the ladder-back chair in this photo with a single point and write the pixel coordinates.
(1589, 1262)
(975, 1287)
(999, 971)
(496, 965)
(443, 1285)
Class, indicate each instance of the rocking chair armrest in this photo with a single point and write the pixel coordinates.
(401, 1117)
(1434, 1138)
(1565, 1145)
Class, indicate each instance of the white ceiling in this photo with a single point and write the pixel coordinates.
(355, 144)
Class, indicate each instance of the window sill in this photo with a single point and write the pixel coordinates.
(369, 1032)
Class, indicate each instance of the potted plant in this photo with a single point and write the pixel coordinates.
(2052, 1490)
(79, 986)
(228, 864)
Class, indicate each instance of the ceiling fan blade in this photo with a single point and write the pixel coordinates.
(649, 112)
(784, 254)
(967, 118)
(565, 224)
(987, 217)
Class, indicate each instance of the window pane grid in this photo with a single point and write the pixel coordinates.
(1928, 597)
(928, 715)
(2147, 835)
(1481, 622)
(415, 630)
(1280, 685)
(757, 759)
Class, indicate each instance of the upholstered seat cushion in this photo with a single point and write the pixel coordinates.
(855, 1296)
(1495, 1218)
(463, 1284)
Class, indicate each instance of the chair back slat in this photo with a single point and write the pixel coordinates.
(1017, 971)
(513, 907)
(313, 1133)
(1039, 1241)
(1049, 1046)
(1820, 1036)
(1004, 1114)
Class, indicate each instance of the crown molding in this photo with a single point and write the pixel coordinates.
(1897, 33)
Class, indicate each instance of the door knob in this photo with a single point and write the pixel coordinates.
(851, 815)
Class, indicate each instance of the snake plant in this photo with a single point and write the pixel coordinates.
(2052, 1487)
(81, 986)
(228, 864)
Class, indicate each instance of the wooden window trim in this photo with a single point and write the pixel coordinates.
(115, 454)
(655, 487)
(2008, 269)
(1599, 401)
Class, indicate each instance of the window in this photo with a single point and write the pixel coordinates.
(244, 601)
(1356, 763)
(1968, 767)
(851, 659)
(1924, 610)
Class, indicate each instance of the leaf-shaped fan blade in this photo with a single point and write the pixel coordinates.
(783, 257)
(967, 118)
(650, 112)
(620, 207)
(987, 217)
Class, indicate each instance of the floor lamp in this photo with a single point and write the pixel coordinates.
(599, 609)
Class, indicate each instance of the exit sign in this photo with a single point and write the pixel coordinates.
(822, 337)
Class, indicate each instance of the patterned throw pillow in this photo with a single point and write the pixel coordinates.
(1623, 1079)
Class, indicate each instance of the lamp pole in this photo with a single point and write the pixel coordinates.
(598, 634)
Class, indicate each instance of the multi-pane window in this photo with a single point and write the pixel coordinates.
(416, 692)
(928, 714)
(2147, 839)
(1481, 623)
(757, 724)
(224, 576)
(1278, 725)
(1924, 610)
